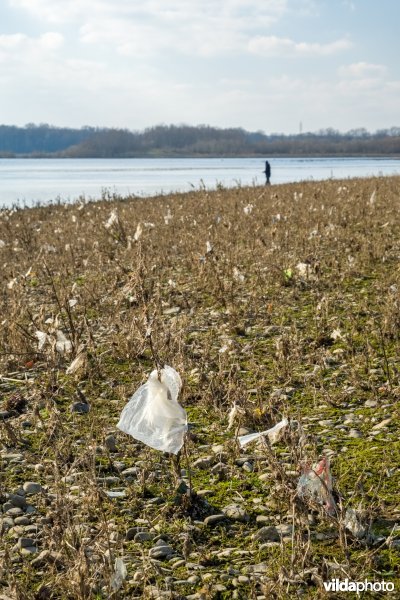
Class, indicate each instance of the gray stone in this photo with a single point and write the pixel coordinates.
(355, 433)
(25, 542)
(178, 563)
(111, 443)
(262, 519)
(31, 529)
(22, 520)
(217, 449)
(267, 534)
(248, 467)
(30, 487)
(219, 468)
(6, 523)
(110, 480)
(130, 473)
(203, 463)
(371, 403)
(244, 431)
(46, 557)
(259, 568)
(285, 529)
(236, 512)
(17, 500)
(161, 550)
(14, 512)
(80, 407)
(143, 536)
(132, 531)
(214, 520)
(203, 493)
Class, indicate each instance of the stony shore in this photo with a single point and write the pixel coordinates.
(271, 302)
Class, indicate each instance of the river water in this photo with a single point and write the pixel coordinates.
(29, 181)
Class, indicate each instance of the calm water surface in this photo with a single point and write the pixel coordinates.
(28, 181)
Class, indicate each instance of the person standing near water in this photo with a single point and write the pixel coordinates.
(267, 172)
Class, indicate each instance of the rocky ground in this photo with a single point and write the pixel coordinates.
(271, 302)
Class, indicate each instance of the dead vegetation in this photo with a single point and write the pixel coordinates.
(282, 301)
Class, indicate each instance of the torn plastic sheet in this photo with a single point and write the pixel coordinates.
(316, 484)
(273, 434)
(120, 574)
(153, 414)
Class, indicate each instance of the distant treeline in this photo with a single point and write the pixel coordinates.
(185, 140)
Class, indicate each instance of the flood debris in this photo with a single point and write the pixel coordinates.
(315, 484)
(274, 434)
(153, 414)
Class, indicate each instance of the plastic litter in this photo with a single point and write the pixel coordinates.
(274, 434)
(352, 522)
(120, 574)
(153, 414)
(316, 484)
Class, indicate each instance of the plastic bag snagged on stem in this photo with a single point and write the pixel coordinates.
(153, 414)
(316, 484)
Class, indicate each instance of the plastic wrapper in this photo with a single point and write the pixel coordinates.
(153, 414)
(316, 484)
(274, 434)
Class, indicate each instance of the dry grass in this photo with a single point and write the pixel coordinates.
(217, 279)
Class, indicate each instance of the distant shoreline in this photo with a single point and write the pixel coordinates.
(206, 156)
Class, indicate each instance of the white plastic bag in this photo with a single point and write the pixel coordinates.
(153, 414)
(273, 434)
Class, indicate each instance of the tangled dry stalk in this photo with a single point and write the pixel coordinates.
(282, 300)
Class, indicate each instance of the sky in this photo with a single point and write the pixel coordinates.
(277, 66)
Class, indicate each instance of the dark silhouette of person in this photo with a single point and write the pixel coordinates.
(267, 172)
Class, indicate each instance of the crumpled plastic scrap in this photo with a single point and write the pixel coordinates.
(274, 434)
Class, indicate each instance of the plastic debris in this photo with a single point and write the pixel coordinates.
(153, 414)
(63, 345)
(42, 338)
(120, 574)
(316, 484)
(274, 434)
(113, 220)
(353, 523)
(115, 494)
(138, 232)
(235, 413)
(78, 362)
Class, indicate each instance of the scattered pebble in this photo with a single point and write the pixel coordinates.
(267, 534)
(236, 512)
(214, 520)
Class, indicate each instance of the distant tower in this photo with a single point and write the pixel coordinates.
(300, 128)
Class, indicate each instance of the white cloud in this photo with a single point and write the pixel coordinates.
(362, 70)
(51, 40)
(278, 46)
(196, 27)
(19, 48)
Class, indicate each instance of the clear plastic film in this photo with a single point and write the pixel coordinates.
(273, 434)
